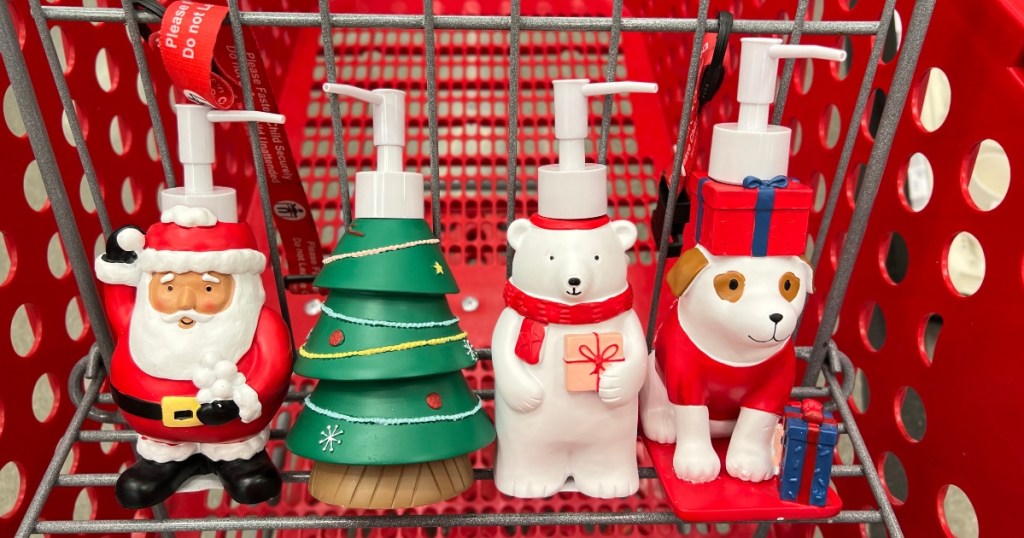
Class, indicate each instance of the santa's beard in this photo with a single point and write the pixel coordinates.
(164, 350)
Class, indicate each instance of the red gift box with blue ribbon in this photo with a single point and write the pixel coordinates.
(809, 440)
(761, 217)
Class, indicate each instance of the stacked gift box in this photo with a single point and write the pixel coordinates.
(761, 217)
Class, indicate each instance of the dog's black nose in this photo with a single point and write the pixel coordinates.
(775, 317)
(574, 281)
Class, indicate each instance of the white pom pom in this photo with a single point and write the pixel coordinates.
(239, 379)
(203, 378)
(131, 239)
(188, 217)
(222, 389)
(204, 396)
(225, 370)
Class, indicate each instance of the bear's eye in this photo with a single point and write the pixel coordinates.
(552, 258)
(735, 284)
(596, 257)
(789, 286)
(209, 288)
(170, 288)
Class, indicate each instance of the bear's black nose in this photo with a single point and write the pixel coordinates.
(775, 317)
(574, 281)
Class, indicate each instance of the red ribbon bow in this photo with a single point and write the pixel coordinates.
(813, 412)
(600, 357)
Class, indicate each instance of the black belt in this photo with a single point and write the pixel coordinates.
(143, 409)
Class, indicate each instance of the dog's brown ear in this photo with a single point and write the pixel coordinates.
(808, 276)
(685, 270)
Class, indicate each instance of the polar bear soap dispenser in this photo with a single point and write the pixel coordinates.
(392, 421)
(568, 351)
(201, 365)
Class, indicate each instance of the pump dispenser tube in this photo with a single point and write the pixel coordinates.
(573, 188)
(388, 192)
(196, 152)
(752, 147)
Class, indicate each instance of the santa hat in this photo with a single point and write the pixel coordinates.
(187, 239)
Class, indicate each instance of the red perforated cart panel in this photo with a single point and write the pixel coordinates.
(961, 383)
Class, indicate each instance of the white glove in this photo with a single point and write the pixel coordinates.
(219, 379)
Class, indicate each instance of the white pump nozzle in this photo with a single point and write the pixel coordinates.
(388, 192)
(388, 121)
(196, 153)
(759, 68)
(571, 114)
(574, 189)
(751, 146)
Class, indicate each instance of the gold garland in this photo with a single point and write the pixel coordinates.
(382, 349)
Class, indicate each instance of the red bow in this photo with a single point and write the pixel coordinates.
(602, 356)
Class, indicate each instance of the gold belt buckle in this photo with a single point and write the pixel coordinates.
(180, 411)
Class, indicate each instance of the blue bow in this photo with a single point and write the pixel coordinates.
(763, 209)
(777, 182)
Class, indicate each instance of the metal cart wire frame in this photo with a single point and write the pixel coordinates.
(93, 366)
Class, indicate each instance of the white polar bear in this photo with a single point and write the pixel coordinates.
(546, 434)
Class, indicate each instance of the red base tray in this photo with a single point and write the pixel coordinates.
(727, 498)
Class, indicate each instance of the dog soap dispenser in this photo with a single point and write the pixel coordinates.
(723, 364)
(568, 351)
(392, 421)
(201, 365)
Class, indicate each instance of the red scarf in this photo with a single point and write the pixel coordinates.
(540, 312)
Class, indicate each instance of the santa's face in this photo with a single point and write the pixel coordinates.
(180, 318)
(185, 298)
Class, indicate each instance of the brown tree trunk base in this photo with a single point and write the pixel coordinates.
(390, 486)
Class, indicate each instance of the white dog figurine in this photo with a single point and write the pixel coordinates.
(724, 364)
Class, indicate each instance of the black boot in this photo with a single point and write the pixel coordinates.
(250, 481)
(147, 482)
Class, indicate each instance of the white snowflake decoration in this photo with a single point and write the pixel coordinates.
(469, 349)
(330, 436)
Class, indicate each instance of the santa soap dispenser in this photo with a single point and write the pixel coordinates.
(568, 351)
(392, 421)
(201, 365)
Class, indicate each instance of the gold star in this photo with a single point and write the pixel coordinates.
(437, 267)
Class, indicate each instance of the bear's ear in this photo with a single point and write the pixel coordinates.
(689, 265)
(807, 274)
(626, 232)
(516, 231)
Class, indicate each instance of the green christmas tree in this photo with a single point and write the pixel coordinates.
(392, 421)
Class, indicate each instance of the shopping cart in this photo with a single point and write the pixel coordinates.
(478, 77)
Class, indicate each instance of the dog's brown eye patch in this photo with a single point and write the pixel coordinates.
(789, 286)
(729, 286)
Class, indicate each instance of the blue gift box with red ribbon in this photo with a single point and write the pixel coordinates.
(807, 446)
(761, 217)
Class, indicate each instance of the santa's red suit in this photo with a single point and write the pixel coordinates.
(162, 409)
(694, 378)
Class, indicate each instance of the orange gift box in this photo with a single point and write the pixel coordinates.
(586, 358)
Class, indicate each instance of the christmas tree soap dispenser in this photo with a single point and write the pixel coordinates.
(201, 365)
(392, 421)
(569, 353)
